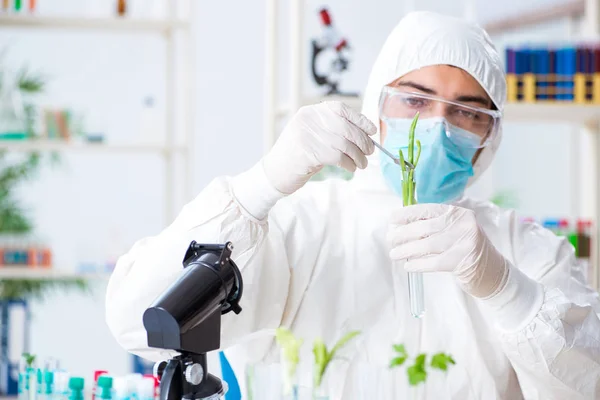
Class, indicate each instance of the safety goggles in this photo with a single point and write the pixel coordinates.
(481, 122)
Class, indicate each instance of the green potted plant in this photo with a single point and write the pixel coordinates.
(14, 219)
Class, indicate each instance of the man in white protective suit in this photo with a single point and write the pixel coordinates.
(504, 298)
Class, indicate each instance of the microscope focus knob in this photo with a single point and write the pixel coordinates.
(193, 374)
(158, 369)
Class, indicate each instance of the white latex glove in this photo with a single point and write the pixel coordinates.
(329, 133)
(437, 237)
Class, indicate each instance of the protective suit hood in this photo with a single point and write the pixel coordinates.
(423, 39)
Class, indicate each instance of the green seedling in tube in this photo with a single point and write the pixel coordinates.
(323, 357)
(290, 353)
(409, 187)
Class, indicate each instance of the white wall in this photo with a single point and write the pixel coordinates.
(98, 205)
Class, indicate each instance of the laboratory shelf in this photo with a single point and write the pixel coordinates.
(553, 112)
(124, 24)
(57, 145)
(47, 274)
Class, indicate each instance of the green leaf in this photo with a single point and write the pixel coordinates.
(418, 153)
(290, 346)
(400, 348)
(321, 360)
(343, 341)
(290, 350)
(416, 374)
(29, 359)
(411, 139)
(29, 82)
(401, 357)
(441, 361)
(420, 360)
(324, 357)
(402, 165)
(398, 361)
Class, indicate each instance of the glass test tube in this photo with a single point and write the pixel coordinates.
(415, 279)
(415, 294)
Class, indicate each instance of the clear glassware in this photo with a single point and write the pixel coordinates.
(416, 294)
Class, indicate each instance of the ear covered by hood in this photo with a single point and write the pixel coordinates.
(423, 39)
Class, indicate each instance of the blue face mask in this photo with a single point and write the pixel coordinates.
(445, 164)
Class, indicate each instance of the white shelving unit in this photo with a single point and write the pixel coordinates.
(167, 28)
(177, 76)
(49, 274)
(553, 112)
(123, 24)
(56, 145)
(587, 118)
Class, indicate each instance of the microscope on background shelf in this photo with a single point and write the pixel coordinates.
(187, 318)
(335, 50)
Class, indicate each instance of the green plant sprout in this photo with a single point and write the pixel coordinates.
(417, 373)
(323, 357)
(409, 185)
(29, 359)
(290, 350)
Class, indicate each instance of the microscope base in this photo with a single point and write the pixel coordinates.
(212, 389)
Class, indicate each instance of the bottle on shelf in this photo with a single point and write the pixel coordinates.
(146, 389)
(76, 387)
(97, 375)
(121, 7)
(584, 230)
(24, 378)
(121, 391)
(132, 385)
(61, 385)
(104, 388)
(551, 224)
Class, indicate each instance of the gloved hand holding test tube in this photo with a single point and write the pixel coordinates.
(415, 279)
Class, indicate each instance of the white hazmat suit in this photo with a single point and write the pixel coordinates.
(318, 261)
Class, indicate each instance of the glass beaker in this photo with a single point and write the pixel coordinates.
(369, 381)
(264, 381)
(13, 118)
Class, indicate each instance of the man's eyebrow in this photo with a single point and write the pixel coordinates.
(473, 99)
(417, 86)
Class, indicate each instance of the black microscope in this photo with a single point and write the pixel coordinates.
(187, 318)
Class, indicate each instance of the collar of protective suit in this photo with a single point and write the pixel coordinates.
(423, 39)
